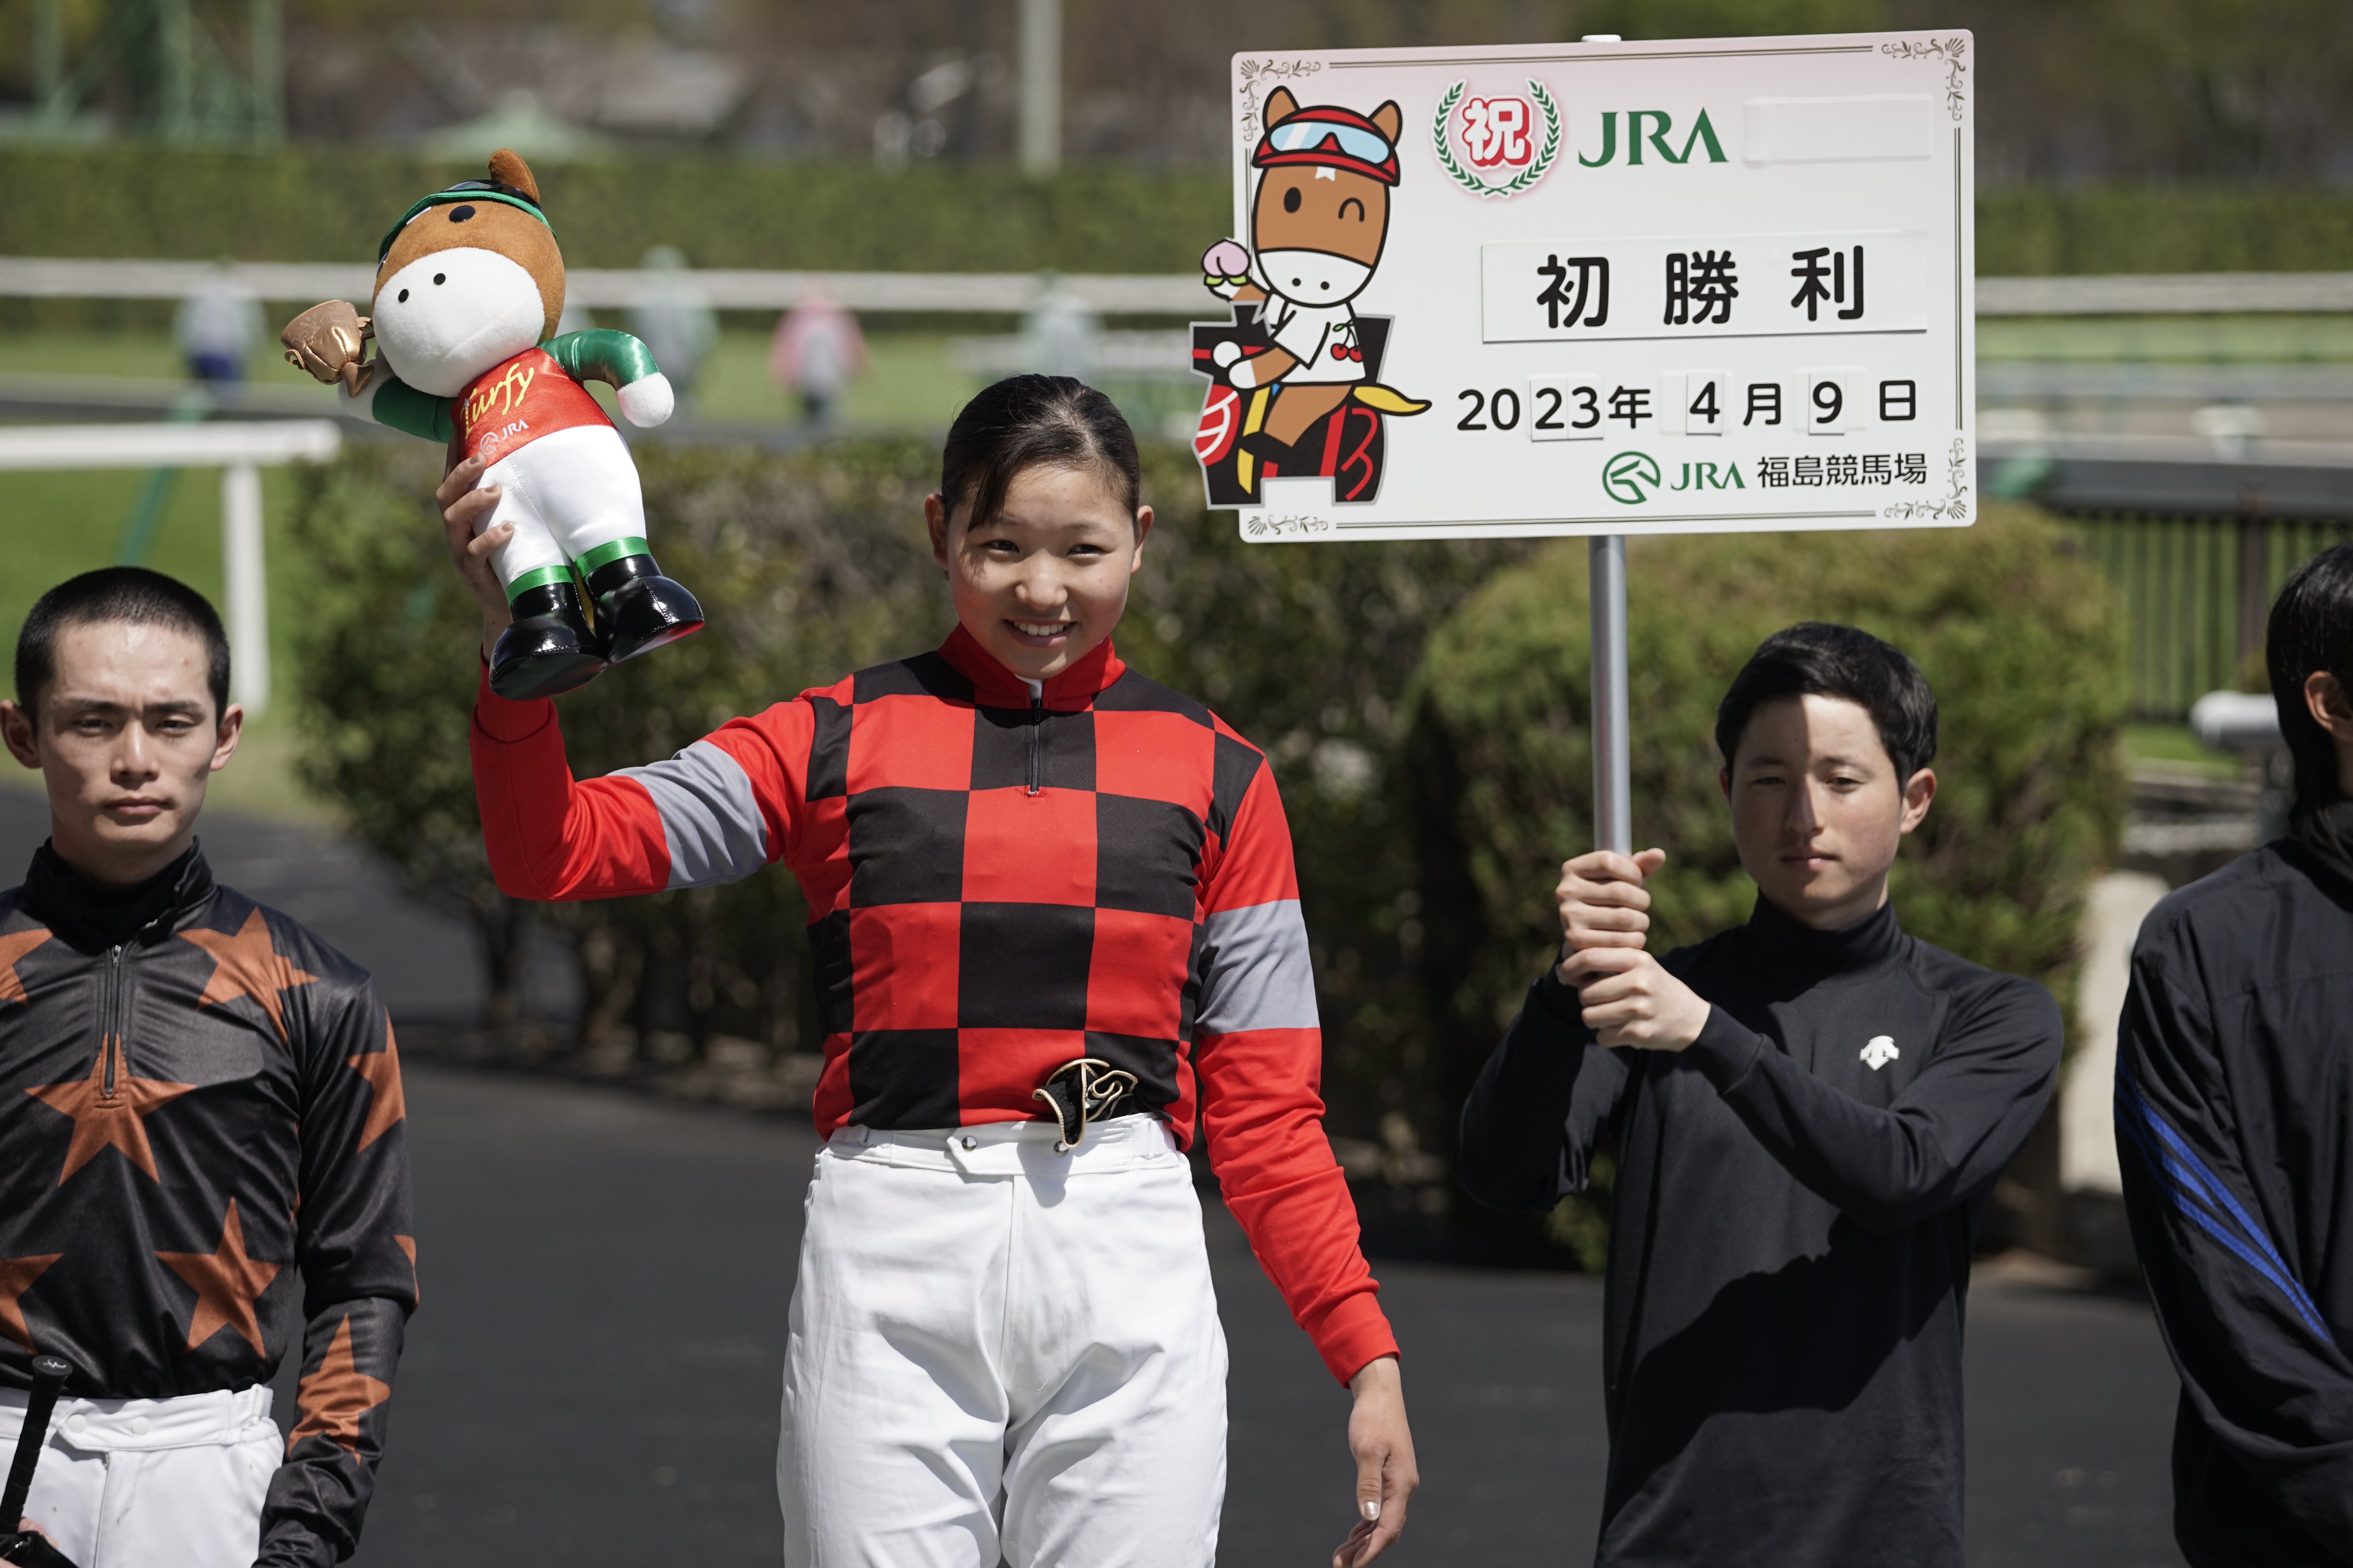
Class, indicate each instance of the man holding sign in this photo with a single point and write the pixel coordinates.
(1809, 1111)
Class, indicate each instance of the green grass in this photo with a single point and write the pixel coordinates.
(2194, 340)
(909, 383)
(2173, 748)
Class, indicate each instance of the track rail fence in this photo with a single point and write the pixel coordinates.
(2197, 591)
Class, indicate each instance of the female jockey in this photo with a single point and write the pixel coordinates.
(1052, 901)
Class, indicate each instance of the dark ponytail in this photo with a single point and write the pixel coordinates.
(1026, 421)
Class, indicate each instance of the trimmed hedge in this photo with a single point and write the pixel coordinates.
(332, 203)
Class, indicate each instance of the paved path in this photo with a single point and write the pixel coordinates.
(593, 1378)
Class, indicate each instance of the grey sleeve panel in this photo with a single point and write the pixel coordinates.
(710, 820)
(1256, 973)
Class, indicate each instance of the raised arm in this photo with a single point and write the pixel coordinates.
(2268, 1376)
(357, 1250)
(725, 807)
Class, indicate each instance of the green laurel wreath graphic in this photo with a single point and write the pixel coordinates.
(1517, 183)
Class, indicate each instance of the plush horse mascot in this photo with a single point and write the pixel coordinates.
(468, 289)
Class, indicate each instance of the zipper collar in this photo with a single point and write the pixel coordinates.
(95, 918)
(994, 685)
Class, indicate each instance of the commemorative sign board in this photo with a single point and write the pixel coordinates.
(1599, 289)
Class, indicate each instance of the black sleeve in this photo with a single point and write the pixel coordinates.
(358, 1252)
(1943, 1140)
(2256, 1357)
(1533, 1118)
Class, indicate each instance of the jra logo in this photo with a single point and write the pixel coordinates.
(1709, 477)
(1629, 478)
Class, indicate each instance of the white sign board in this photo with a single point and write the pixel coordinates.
(1631, 287)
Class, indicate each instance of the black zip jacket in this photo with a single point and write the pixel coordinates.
(1796, 1201)
(2234, 1122)
(205, 1147)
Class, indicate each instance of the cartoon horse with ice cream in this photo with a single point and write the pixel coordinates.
(1298, 360)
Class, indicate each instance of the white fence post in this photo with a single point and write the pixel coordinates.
(248, 580)
(240, 449)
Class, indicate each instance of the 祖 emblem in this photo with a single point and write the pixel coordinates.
(1880, 1052)
(1514, 137)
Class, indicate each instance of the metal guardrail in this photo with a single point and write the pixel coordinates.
(1142, 294)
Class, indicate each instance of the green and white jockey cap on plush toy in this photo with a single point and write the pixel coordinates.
(469, 288)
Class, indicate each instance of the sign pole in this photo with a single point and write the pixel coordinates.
(1613, 762)
(1613, 772)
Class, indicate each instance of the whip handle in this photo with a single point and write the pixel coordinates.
(49, 1374)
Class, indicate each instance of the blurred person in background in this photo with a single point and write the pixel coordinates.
(675, 320)
(1809, 1112)
(1058, 335)
(817, 353)
(205, 1134)
(1057, 929)
(217, 327)
(2234, 1116)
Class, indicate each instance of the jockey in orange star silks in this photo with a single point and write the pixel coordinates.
(206, 1135)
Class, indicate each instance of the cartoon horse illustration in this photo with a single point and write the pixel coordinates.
(1297, 359)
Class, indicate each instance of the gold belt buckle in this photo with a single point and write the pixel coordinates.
(1080, 1091)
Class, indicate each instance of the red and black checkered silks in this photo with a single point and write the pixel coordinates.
(999, 880)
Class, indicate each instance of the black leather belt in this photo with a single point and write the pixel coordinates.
(1083, 1091)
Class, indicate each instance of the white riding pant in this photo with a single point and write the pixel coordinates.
(153, 1483)
(1002, 1354)
(566, 493)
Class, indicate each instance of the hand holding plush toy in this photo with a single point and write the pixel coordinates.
(469, 288)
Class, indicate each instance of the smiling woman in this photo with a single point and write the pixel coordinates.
(1056, 926)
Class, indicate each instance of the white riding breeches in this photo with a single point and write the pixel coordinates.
(566, 493)
(142, 1483)
(999, 1353)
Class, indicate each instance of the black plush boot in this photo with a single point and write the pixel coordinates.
(638, 609)
(549, 649)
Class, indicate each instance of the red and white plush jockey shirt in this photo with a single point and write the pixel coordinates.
(1000, 882)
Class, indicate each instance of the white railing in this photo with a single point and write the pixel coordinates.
(240, 450)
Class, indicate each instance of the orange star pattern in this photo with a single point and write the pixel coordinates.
(17, 1276)
(227, 1283)
(382, 1069)
(106, 1115)
(333, 1398)
(247, 966)
(416, 1292)
(13, 946)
